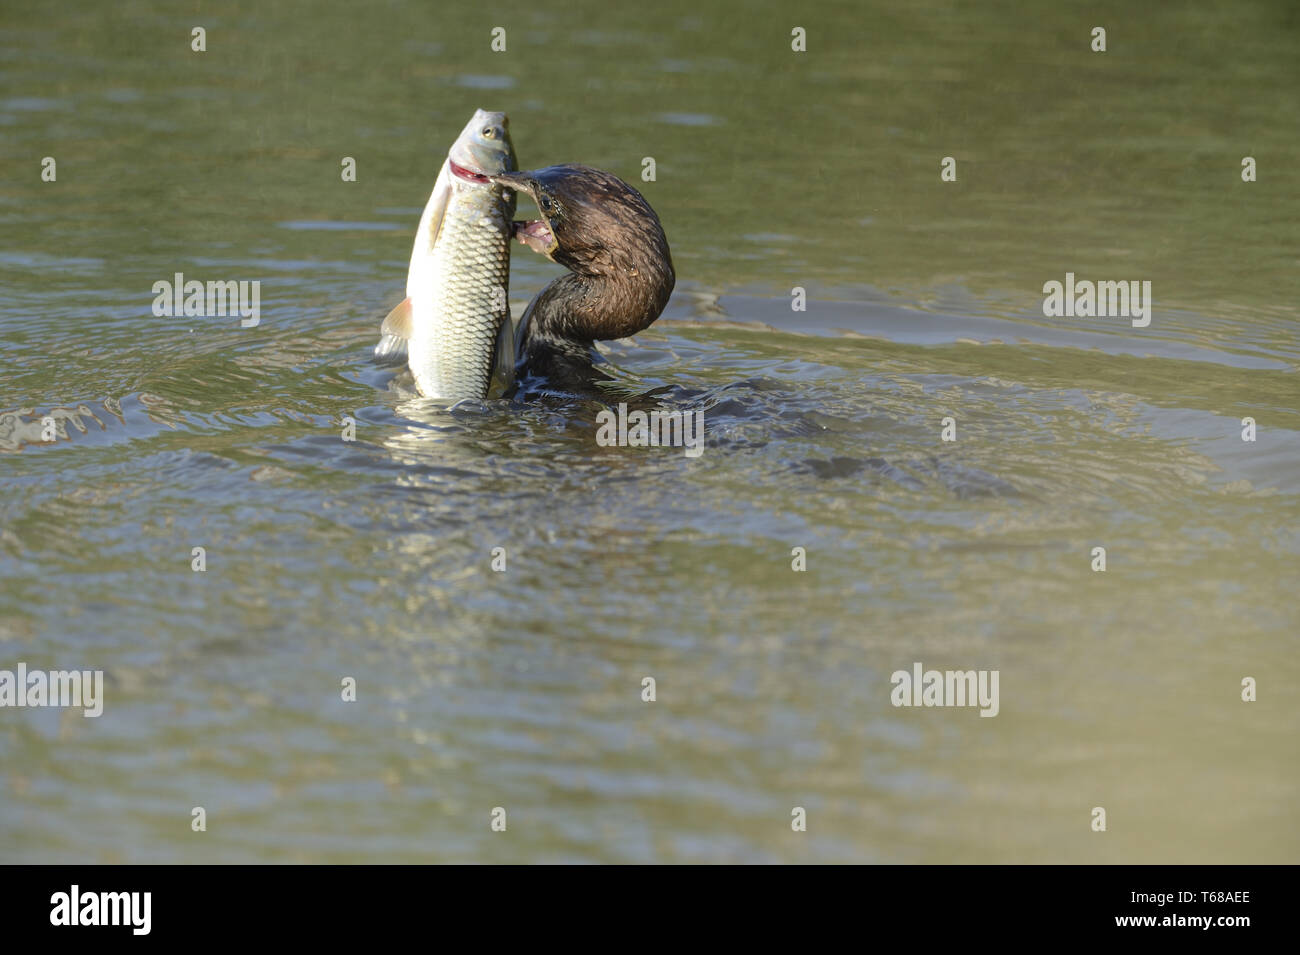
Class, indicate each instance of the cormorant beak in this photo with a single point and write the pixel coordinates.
(517, 181)
(537, 233)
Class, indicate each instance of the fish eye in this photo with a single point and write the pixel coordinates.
(489, 132)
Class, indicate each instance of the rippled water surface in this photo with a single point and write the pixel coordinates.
(371, 559)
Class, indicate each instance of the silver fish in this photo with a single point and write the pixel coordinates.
(454, 328)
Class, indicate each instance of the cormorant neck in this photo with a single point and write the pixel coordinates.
(597, 304)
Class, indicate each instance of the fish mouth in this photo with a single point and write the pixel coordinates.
(469, 175)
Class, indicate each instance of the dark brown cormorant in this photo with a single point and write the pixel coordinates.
(620, 270)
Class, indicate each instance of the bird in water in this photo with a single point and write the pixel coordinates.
(620, 272)
(454, 328)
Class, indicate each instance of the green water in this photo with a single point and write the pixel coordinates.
(522, 689)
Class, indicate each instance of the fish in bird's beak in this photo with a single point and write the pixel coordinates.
(537, 234)
(454, 329)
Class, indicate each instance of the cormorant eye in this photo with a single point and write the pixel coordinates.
(546, 205)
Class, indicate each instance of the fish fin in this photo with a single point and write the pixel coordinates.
(426, 236)
(503, 366)
(391, 350)
(394, 334)
(398, 322)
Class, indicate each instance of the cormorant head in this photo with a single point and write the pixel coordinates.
(592, 223)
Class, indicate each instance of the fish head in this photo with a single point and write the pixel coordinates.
(482, 150)
(588, 218)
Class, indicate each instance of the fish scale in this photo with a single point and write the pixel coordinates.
(453, 329)
(455, 323)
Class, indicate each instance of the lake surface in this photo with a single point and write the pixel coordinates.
(372, 559)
